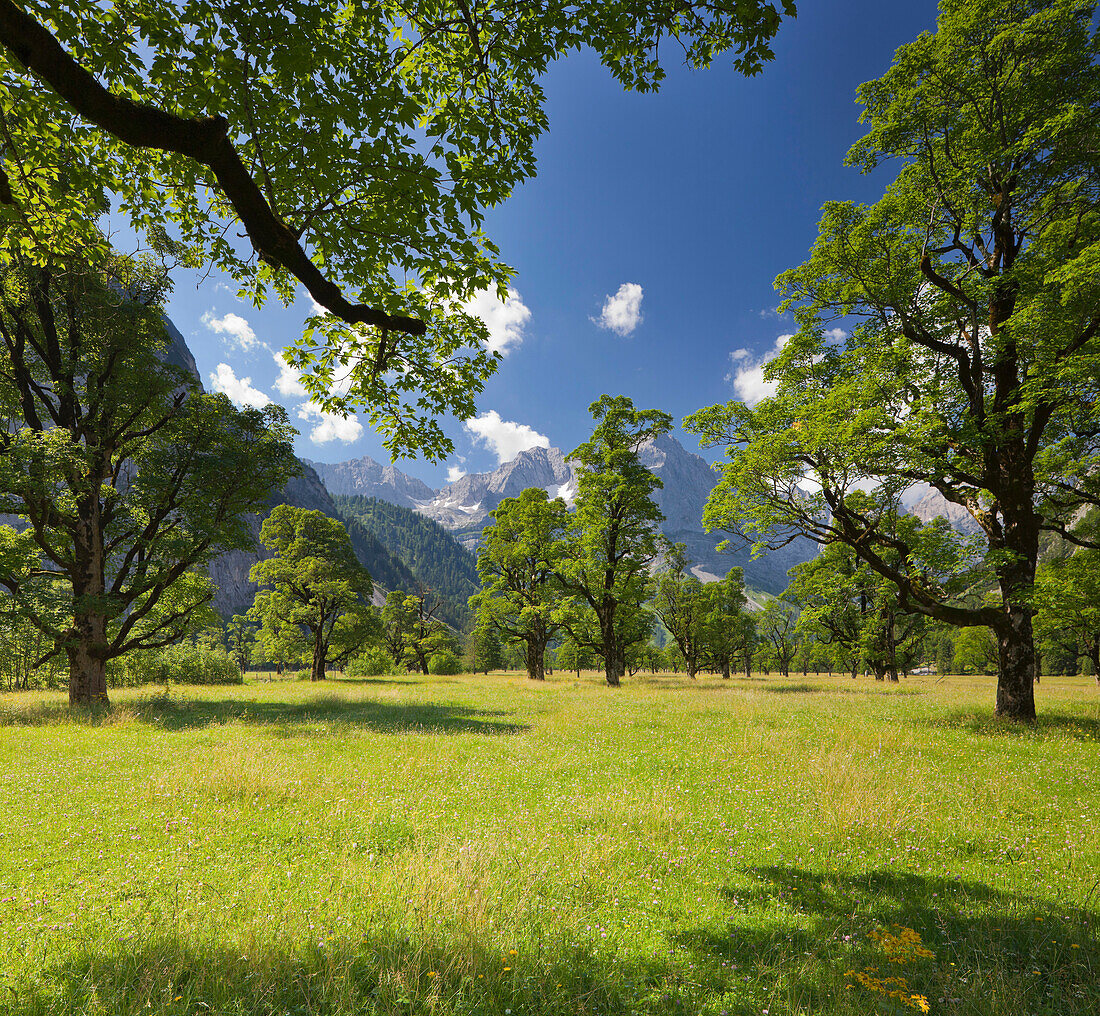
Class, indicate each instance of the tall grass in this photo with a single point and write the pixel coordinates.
(489, 845)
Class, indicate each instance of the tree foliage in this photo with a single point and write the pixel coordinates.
(518, 561)
(613, 535)
(972, 294)
(1067, 594)
(125, 477)
(680, 604)
(728, 628)
(411, 632)
(317, 599)
(356, 146)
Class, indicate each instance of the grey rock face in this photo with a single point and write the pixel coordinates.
(372, 479)
(464, 506)
(934, 505)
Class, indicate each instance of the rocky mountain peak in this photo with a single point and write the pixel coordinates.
(372, 479)
(934, 505)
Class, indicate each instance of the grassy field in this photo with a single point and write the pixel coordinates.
(489, 845)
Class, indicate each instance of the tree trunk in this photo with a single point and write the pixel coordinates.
(320, 651)
(536, 658)
(726, 670)
(614, 664)
(691, 669)
(87, 651)
(88, 668)
(614, 658)
(1015, 639)
(891, 649)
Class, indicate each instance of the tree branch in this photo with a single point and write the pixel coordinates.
(203, 140)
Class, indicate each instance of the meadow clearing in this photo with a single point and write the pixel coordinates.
(493, 845)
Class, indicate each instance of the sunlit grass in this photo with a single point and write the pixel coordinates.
(486, 845)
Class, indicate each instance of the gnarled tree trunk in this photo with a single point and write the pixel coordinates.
(536, 658)
(320, 651)
(87, 648)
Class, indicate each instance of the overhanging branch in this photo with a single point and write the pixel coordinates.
(204, 140)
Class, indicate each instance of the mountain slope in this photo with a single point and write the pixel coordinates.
(230, 571)
(427, 551)
(935, 505)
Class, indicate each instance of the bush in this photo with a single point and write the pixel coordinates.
(445, 663)
(182, 664)
(371, 663)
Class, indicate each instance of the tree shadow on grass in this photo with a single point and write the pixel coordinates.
(289, 718)
(1079, 728)
(391, 974)
(792, 941)
(823, 929)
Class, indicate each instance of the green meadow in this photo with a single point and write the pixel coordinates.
(492, 845)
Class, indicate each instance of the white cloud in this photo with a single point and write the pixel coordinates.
(505, 438)
(455, 473)
(289, 381)
(505, 321)
(747, 373)
(239, 389)
(329, 426)
(622, 313)
(233, 325)
(836, 334)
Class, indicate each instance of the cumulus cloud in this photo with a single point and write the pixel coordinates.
(505, 438)
(239, 389)
(747, 373)
(455, 473)
(329, 426)
(289, 381)
(505, 321)
(622, 313)
(836, 334)
(236, 327)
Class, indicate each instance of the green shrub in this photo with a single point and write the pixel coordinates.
(181, 664)
(445, 663)
(371, 663)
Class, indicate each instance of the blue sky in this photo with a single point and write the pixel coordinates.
(646, 247)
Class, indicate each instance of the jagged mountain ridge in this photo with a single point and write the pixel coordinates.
(364, 476)
(463, 507)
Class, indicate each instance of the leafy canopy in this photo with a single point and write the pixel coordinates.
(318, 595)
(355, 146)
(969, 298)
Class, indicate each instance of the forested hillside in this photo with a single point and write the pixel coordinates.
(425, 548)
